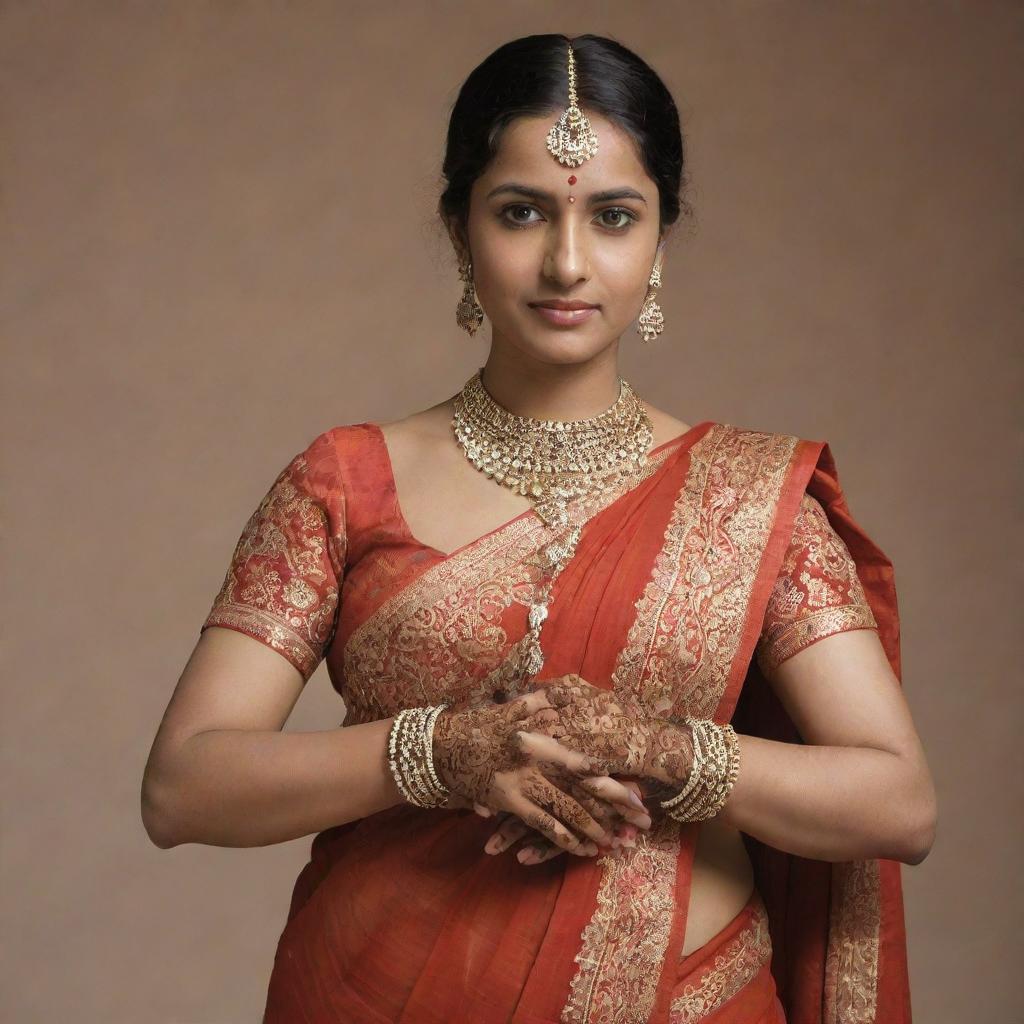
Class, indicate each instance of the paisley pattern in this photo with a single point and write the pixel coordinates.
(283, 580)
(817, 592)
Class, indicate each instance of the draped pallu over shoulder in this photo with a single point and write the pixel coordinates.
(677, 593)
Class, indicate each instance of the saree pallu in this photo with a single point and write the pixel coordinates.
(734, 550)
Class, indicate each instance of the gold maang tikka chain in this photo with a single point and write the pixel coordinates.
(571, 139)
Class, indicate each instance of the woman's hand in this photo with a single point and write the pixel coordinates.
(484, 755)
(652, 756)
(623, 823)
(615, 732)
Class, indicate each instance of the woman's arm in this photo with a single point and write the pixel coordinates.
(221, 771)
(859, 787)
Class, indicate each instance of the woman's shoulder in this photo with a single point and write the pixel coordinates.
(740, 438)
(354, 438)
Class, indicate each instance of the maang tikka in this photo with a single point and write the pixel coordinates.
(571, 140)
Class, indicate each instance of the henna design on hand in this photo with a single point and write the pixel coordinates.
(472, 743)
(615, 732)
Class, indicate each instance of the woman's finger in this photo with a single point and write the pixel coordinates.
(606, 814)
(547, 852)
(615, 792)
(546, 750)
(538, 818)
(510, 830)
(538, 850)
(563, 807)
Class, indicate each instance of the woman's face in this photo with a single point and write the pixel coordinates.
(529, 244)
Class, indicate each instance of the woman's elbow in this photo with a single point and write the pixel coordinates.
(921, 837)
(157, 815)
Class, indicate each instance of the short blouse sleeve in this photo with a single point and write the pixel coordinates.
(283, 583)
(817, 592)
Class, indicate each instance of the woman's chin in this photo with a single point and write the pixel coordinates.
(562, 347)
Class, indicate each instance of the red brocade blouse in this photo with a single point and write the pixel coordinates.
(298, 552)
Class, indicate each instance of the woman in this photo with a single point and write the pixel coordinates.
(641, 609)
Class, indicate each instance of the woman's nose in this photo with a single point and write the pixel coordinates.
(566, 260)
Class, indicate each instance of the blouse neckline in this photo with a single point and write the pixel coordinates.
(687, 436)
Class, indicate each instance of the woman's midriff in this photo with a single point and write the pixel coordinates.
(721, 885)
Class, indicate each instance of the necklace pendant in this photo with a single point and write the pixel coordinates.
(538, 613)
(534, 659)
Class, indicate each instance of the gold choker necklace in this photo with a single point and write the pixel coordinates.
(552, 461)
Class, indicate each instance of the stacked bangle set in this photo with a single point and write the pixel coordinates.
(411, 756)
(716, 761)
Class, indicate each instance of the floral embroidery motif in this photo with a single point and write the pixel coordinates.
(737, 964)
(851, 962)
(282, 583)
(817, 592)
(440, 636)
(686, 630)
(677, 657)
(624, 942)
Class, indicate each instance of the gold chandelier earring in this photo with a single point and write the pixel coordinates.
(469, 315)
(651, 321)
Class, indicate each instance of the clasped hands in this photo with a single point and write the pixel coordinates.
(546, 763)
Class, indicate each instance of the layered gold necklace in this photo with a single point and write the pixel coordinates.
(553, 462)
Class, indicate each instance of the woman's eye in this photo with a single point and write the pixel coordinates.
(517, 214)
(625, 218)
(515, 221)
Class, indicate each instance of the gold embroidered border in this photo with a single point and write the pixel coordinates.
(774, 650)
(441, 635)
(651, 626)
(851, 962)
(737, 964)
(624, 942)
(688, 621)
(271, 630)
(677, 657)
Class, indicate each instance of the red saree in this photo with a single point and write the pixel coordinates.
(735, 550)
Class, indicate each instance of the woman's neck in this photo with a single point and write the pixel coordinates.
(552, 392)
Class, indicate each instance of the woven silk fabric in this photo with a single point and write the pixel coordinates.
(734, 551)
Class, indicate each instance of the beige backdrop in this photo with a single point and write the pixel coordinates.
(219, 240)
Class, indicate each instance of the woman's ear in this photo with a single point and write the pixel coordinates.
(458, 240)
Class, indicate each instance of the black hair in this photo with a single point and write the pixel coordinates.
(529, 77)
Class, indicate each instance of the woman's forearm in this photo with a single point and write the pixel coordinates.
(235, 787)
(829, 803)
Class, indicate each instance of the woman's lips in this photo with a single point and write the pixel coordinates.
(565, 317)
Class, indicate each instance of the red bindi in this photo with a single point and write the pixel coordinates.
(572, 179)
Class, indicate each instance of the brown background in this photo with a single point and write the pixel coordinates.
(220, 240)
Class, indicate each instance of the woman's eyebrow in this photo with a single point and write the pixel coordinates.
(516, 188)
